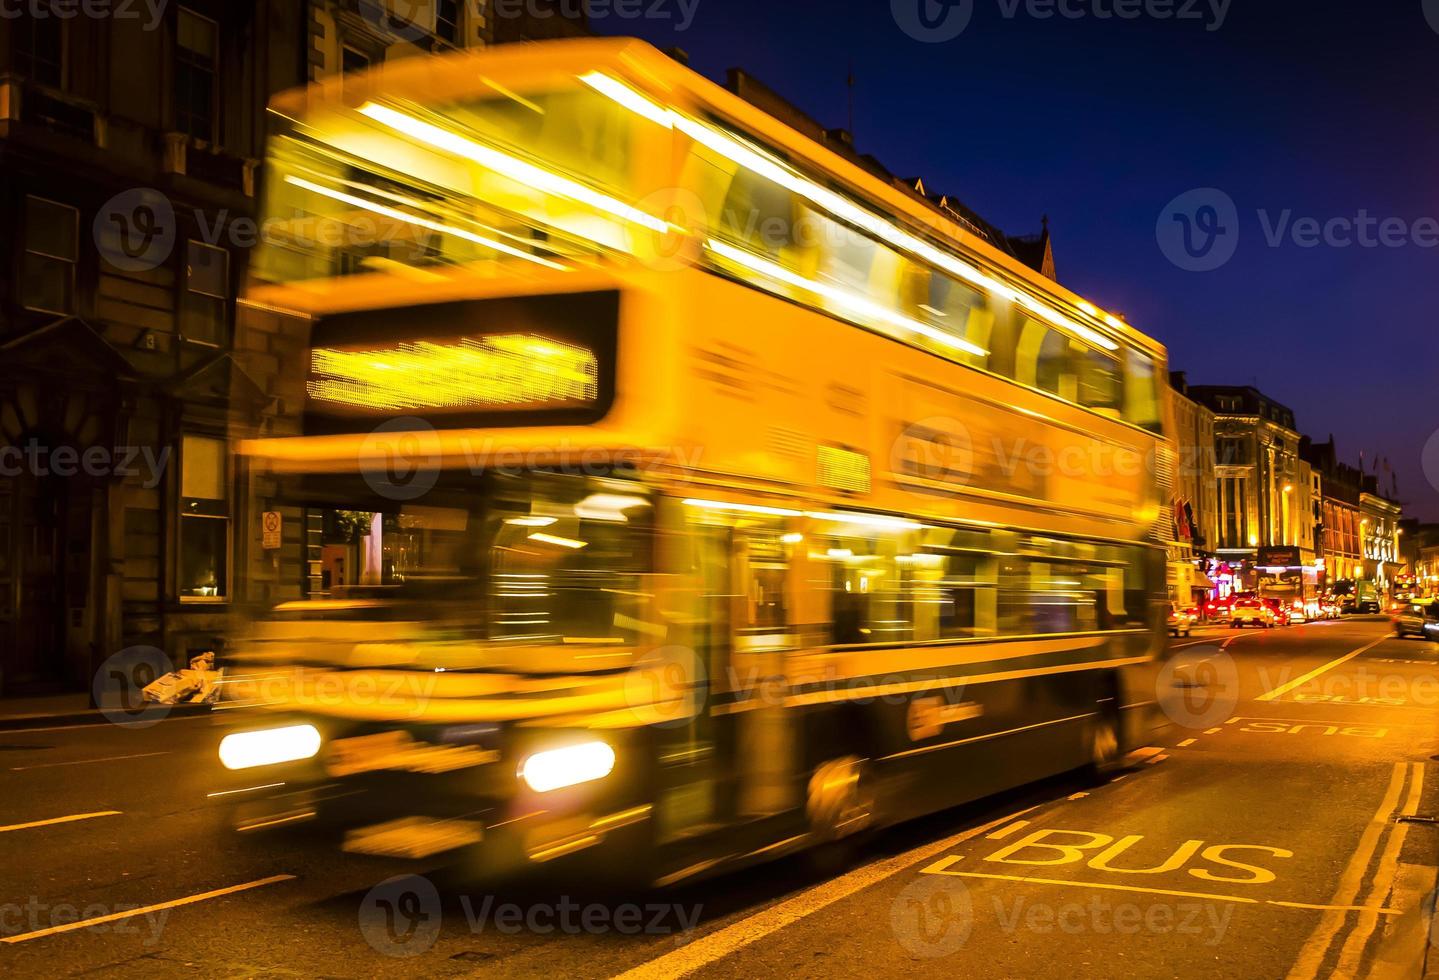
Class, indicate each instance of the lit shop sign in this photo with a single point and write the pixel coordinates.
(508, 371)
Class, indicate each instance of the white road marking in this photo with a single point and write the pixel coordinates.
(736, 936)
(95, 724)
(145, 910)
(1283, 689)
(54, 820)
(86, 762)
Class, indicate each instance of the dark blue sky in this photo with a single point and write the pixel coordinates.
(1322, 108)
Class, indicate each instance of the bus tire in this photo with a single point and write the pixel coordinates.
(1105, 756)
(840, 808)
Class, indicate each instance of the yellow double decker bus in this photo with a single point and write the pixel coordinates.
(671, 488)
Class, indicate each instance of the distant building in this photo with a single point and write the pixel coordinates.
(130, 150)
(1195, 495)
(1360, 534)
(1256, 469)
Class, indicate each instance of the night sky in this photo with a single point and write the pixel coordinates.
(1321, 108)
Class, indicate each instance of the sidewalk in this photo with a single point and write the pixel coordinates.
(18, 714)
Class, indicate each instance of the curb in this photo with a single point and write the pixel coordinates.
(96, 717)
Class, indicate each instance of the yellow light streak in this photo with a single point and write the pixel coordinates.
(512, 167)
(737, 152)
(496, 371)
(559, 542)
(416, 220)
(859, 304)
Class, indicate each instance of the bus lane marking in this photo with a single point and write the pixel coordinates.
(1352, 952)
(1325, 729)
(1316, 947)
(734, 937)
(1300, 681)
(1073, 846)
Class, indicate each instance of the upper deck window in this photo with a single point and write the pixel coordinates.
(539, 178)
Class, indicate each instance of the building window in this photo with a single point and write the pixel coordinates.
(206, 305)
(197, 50)
(447, 21)
(204, 520)
(40, 49)
(52, 235)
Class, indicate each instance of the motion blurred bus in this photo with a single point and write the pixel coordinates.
(668, 487)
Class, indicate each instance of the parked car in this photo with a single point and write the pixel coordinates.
(1253, 612)
(1419, 619)
(1279, 608)
(1181, 621)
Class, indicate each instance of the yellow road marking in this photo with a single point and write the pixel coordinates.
(54, 820)
(116, 916)
(732, 938)
(1187, 742)
(941, 868)
(1316, 947)
(1283, 689)
(1004, 832)
(1353, 951)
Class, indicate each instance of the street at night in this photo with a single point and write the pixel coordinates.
(719, 488)
(1302, 788)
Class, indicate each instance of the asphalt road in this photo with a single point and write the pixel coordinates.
(1261, 838)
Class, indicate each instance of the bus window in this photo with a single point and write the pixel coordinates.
(760, 215)
(1101, 382)
(1142, 405)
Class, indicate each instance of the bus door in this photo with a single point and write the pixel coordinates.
(725, 760)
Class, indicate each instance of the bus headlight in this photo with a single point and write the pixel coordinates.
(246, 750)
(567, 766)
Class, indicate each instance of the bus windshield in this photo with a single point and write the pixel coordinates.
(547, 559)
(537, 180)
